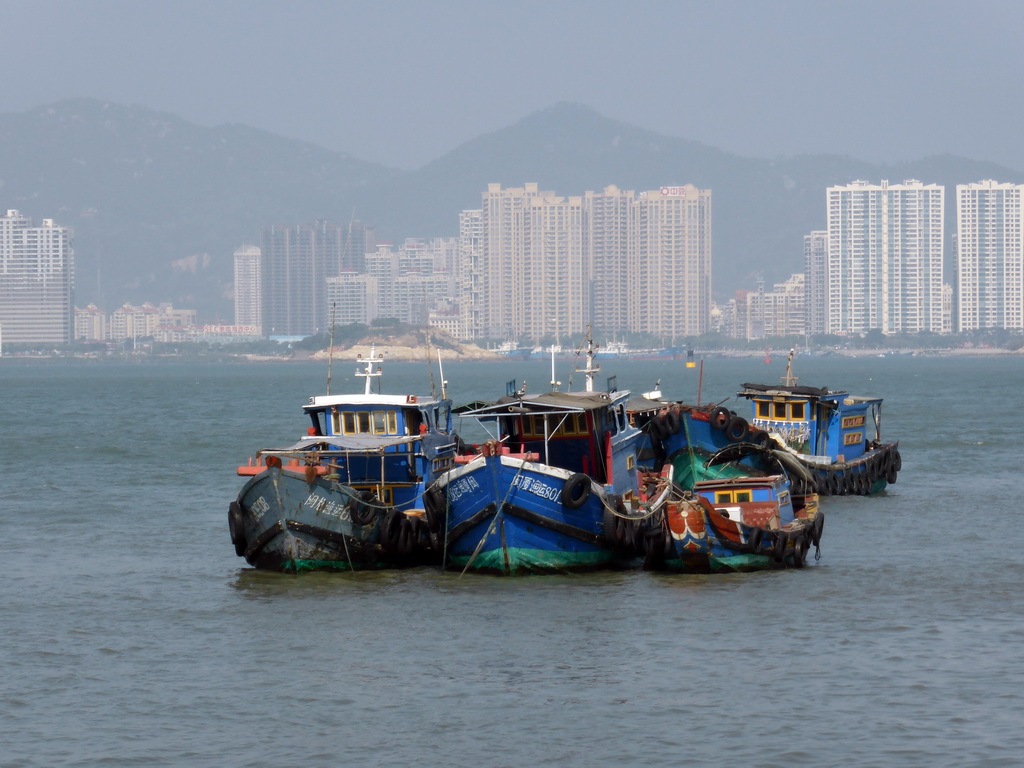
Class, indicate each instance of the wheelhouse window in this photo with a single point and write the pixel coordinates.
(782, 410)
(559, 425)
(732, 497)
(365, 422)
(385, 423)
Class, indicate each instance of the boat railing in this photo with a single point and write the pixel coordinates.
(790, 431)
(496, 448)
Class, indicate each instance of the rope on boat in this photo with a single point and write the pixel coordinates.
(490, 526)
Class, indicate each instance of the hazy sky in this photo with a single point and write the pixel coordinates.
(401, 82)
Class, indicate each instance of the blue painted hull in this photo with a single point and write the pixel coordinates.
(509, 516)
(690, 437)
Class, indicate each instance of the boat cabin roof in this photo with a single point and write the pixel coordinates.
(550, 402)
(760, 481)
(752, 391)
(645, 405)
(389, 401)
(344, 443)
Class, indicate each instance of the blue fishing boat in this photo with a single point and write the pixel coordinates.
(732, 523)
(545, 494)
(349, 494)
(833, 434)
(828, 441)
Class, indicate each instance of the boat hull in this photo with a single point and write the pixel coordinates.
(290, 522)
(691, 537)
(510, 516)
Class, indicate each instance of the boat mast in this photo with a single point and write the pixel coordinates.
(554, 384)
(789, 379)
(369, 373)
(330, 350)
(440, 370)
(591, 368)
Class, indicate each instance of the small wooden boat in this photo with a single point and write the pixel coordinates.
(742, 523)
(350, 494)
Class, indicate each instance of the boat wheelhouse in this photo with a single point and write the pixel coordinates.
(834, 434)
(350, 493)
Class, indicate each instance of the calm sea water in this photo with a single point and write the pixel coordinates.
(131, 635)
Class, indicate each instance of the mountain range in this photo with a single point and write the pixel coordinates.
(159, 204)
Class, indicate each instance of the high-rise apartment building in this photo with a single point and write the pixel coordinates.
(357, 241)
(607, 217)
(990, 256)
(36, 281)
(781, 311)
(248, 287)
(295, 263)
(541, 265)
(884, 260)
(531, 266)
(353, 298)
(408, 283)
(669, 265)
(815, 281)
(470, 279)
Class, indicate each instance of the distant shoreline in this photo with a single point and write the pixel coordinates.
(408, 355)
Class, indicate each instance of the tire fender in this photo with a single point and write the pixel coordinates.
(576, 491)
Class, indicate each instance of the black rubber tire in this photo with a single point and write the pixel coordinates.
(576, 491)
(614, 530)
(779, 548)
(720, 418)
(816, 529)
(391, 529)
(754, 537)
(760, 438)
(671, 422)
(363, 508)
(737, 429)
(406, 535)
(656, 429)
(236, 526)
(434, 505)
(800, 547)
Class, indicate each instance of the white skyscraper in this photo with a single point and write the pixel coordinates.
(815, 281)
(538, 265)
(884, 261)
(36, 281)
(990, 256)
(248, 287)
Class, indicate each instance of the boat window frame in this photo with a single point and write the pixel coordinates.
(780, 410)
(733, 496)
(384, 422)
